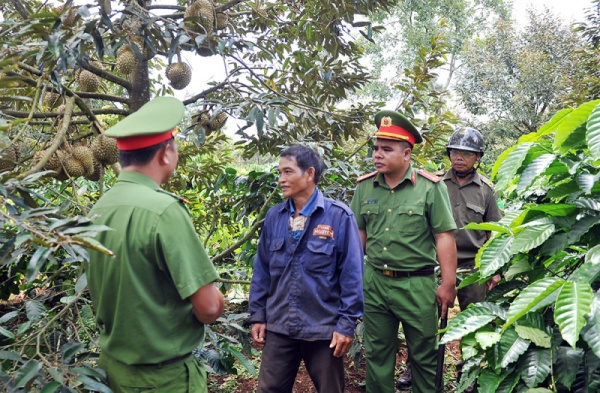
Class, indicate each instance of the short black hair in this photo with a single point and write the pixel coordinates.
(141, 156)
(305, 158)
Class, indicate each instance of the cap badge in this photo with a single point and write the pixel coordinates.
(386, 121)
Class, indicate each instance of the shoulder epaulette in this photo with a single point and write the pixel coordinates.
(179, 198)
(487, 181)
(429, 176)
(367, 176)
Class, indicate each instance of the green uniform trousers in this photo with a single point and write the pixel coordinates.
(389, 301)
(185, 376)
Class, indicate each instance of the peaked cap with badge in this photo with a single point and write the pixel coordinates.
(153, 123)
(392, 125)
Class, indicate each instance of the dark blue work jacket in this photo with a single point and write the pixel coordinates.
(309, 289)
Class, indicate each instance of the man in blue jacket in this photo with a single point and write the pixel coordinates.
(306, 292)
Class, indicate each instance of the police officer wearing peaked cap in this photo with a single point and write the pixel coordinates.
(153, 297)
(406, 226)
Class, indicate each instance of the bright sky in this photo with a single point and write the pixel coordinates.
(569, 10)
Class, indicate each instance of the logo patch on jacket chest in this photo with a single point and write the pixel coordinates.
(323, 231)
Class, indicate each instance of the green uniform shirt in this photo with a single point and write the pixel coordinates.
(475, 201)
(400, 222)
(141, 294)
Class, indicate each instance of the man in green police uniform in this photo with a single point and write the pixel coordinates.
(406, 227)
(154, 296)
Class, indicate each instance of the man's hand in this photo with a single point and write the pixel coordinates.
(258, 333)
(445, 296)
(341, 344)
(492, 282)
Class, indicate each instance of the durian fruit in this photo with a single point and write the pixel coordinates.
(69, 18)
(8, 156)
(85, 156)
(179, 75)
(217, 122)
(96, 173)
(51, 99)
(105, 150)
(201, 15)
(200, 120)
(221, 20)
(88, 81)
(72, 130)
(132, 25)
(53, 163)
(127, 61)
(73, 167)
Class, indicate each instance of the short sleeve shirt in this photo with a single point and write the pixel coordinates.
(475, 201)
(141, 294)
(400, 222)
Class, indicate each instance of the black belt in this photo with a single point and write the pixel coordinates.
(167, 362)
(428, 271)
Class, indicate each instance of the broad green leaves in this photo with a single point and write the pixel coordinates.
(549, 256)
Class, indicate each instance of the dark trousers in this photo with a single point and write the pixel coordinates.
(281, 358)
(473, 293)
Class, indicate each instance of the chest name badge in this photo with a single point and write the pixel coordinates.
(323, 231)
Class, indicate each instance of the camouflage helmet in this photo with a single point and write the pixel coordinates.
(466, 138)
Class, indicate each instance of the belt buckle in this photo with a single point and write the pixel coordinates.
(388, 273)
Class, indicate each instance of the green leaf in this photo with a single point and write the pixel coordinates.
(489, 226)
(6, 333)
(510, 166)
(531, 235)
(590, 204)
(466, 322)
(519, 266)
(535, 366)
(69, 350)
(487, 339)
(536, 336)
(591, 331)
(590, 269)
(509, 383)
(585, 182)
(593, 133)
(9, 355)
(81, 283)
(572, 121)
(574, 301)
(35, 310)
(536, 295)
(551, 125)
(8, 316)
(581, 227)
(36, 262)
(51, 387)
(533, 170)
(510, 348)
(488, 381)
(494, 254)
(243, 360)
(27, 372)
(567, 365)
(555, 209)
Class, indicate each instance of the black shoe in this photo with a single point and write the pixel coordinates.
(405, 380)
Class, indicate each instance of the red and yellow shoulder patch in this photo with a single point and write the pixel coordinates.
(367, 176)
(429, 176)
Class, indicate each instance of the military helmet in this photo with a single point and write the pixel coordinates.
(466, 138)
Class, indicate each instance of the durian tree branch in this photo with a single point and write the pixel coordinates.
(204, 93)
(58, 140)
(20, 9)
(251, 231)
(105, 97)
(47, 115)
(109, 76)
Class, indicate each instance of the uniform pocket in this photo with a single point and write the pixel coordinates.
(412, 218)
(277, 259)
(320, 259)
(475, 213)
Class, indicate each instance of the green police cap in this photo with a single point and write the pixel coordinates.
(392, 125)
(154, 122)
